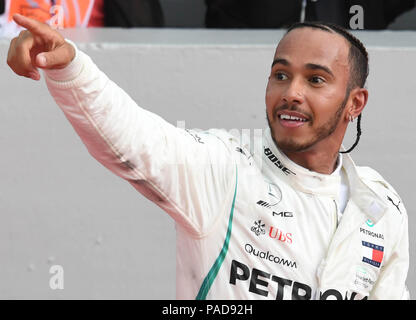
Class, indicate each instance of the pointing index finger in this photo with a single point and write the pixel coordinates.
(32, 25)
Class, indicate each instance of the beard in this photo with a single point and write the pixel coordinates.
(290, 144)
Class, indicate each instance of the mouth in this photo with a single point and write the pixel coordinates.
(290, 119)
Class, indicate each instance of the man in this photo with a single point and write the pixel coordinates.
(294, 220)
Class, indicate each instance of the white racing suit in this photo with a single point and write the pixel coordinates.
(250, 224)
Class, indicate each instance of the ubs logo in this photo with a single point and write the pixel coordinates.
(278, 234)
(259, 228)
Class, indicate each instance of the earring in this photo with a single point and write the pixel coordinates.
(351, 118)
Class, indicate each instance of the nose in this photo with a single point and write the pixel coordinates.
(293, 93)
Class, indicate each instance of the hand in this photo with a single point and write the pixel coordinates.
(39, 46)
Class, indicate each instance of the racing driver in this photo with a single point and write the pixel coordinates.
(295, 219)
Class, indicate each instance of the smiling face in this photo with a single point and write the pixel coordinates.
(307, 91)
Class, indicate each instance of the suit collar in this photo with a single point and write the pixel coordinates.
(311, 182)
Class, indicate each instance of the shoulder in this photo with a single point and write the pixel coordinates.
(370, 175)
(232, 136)
(207, 137)
(383, 189)
(394, 223)
(233, 140)
(222, 134)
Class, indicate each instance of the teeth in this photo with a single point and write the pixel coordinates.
(288, 117)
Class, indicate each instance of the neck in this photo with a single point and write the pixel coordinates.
(318, 161)
(320, 158)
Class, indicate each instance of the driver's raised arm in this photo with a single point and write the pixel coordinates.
(190, 175)
(186, 173)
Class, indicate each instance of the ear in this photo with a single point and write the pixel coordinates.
(358, 100)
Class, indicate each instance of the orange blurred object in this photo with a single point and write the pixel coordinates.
(75, 13)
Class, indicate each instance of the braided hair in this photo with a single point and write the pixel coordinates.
(358, 59)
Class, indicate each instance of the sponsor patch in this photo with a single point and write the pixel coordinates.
(396, 204)
(276, 161)
(365, 278)
(372, 253)
(258, 228)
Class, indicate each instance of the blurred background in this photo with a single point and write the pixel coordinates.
(376, 14)
(199, 63)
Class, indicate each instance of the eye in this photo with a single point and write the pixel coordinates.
(280, 76)
(317, 80)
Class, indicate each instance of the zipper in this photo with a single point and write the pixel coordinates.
(336, 216)
(333, 231)
(324, 263)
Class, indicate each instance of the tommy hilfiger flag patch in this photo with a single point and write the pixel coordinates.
(372, 253)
